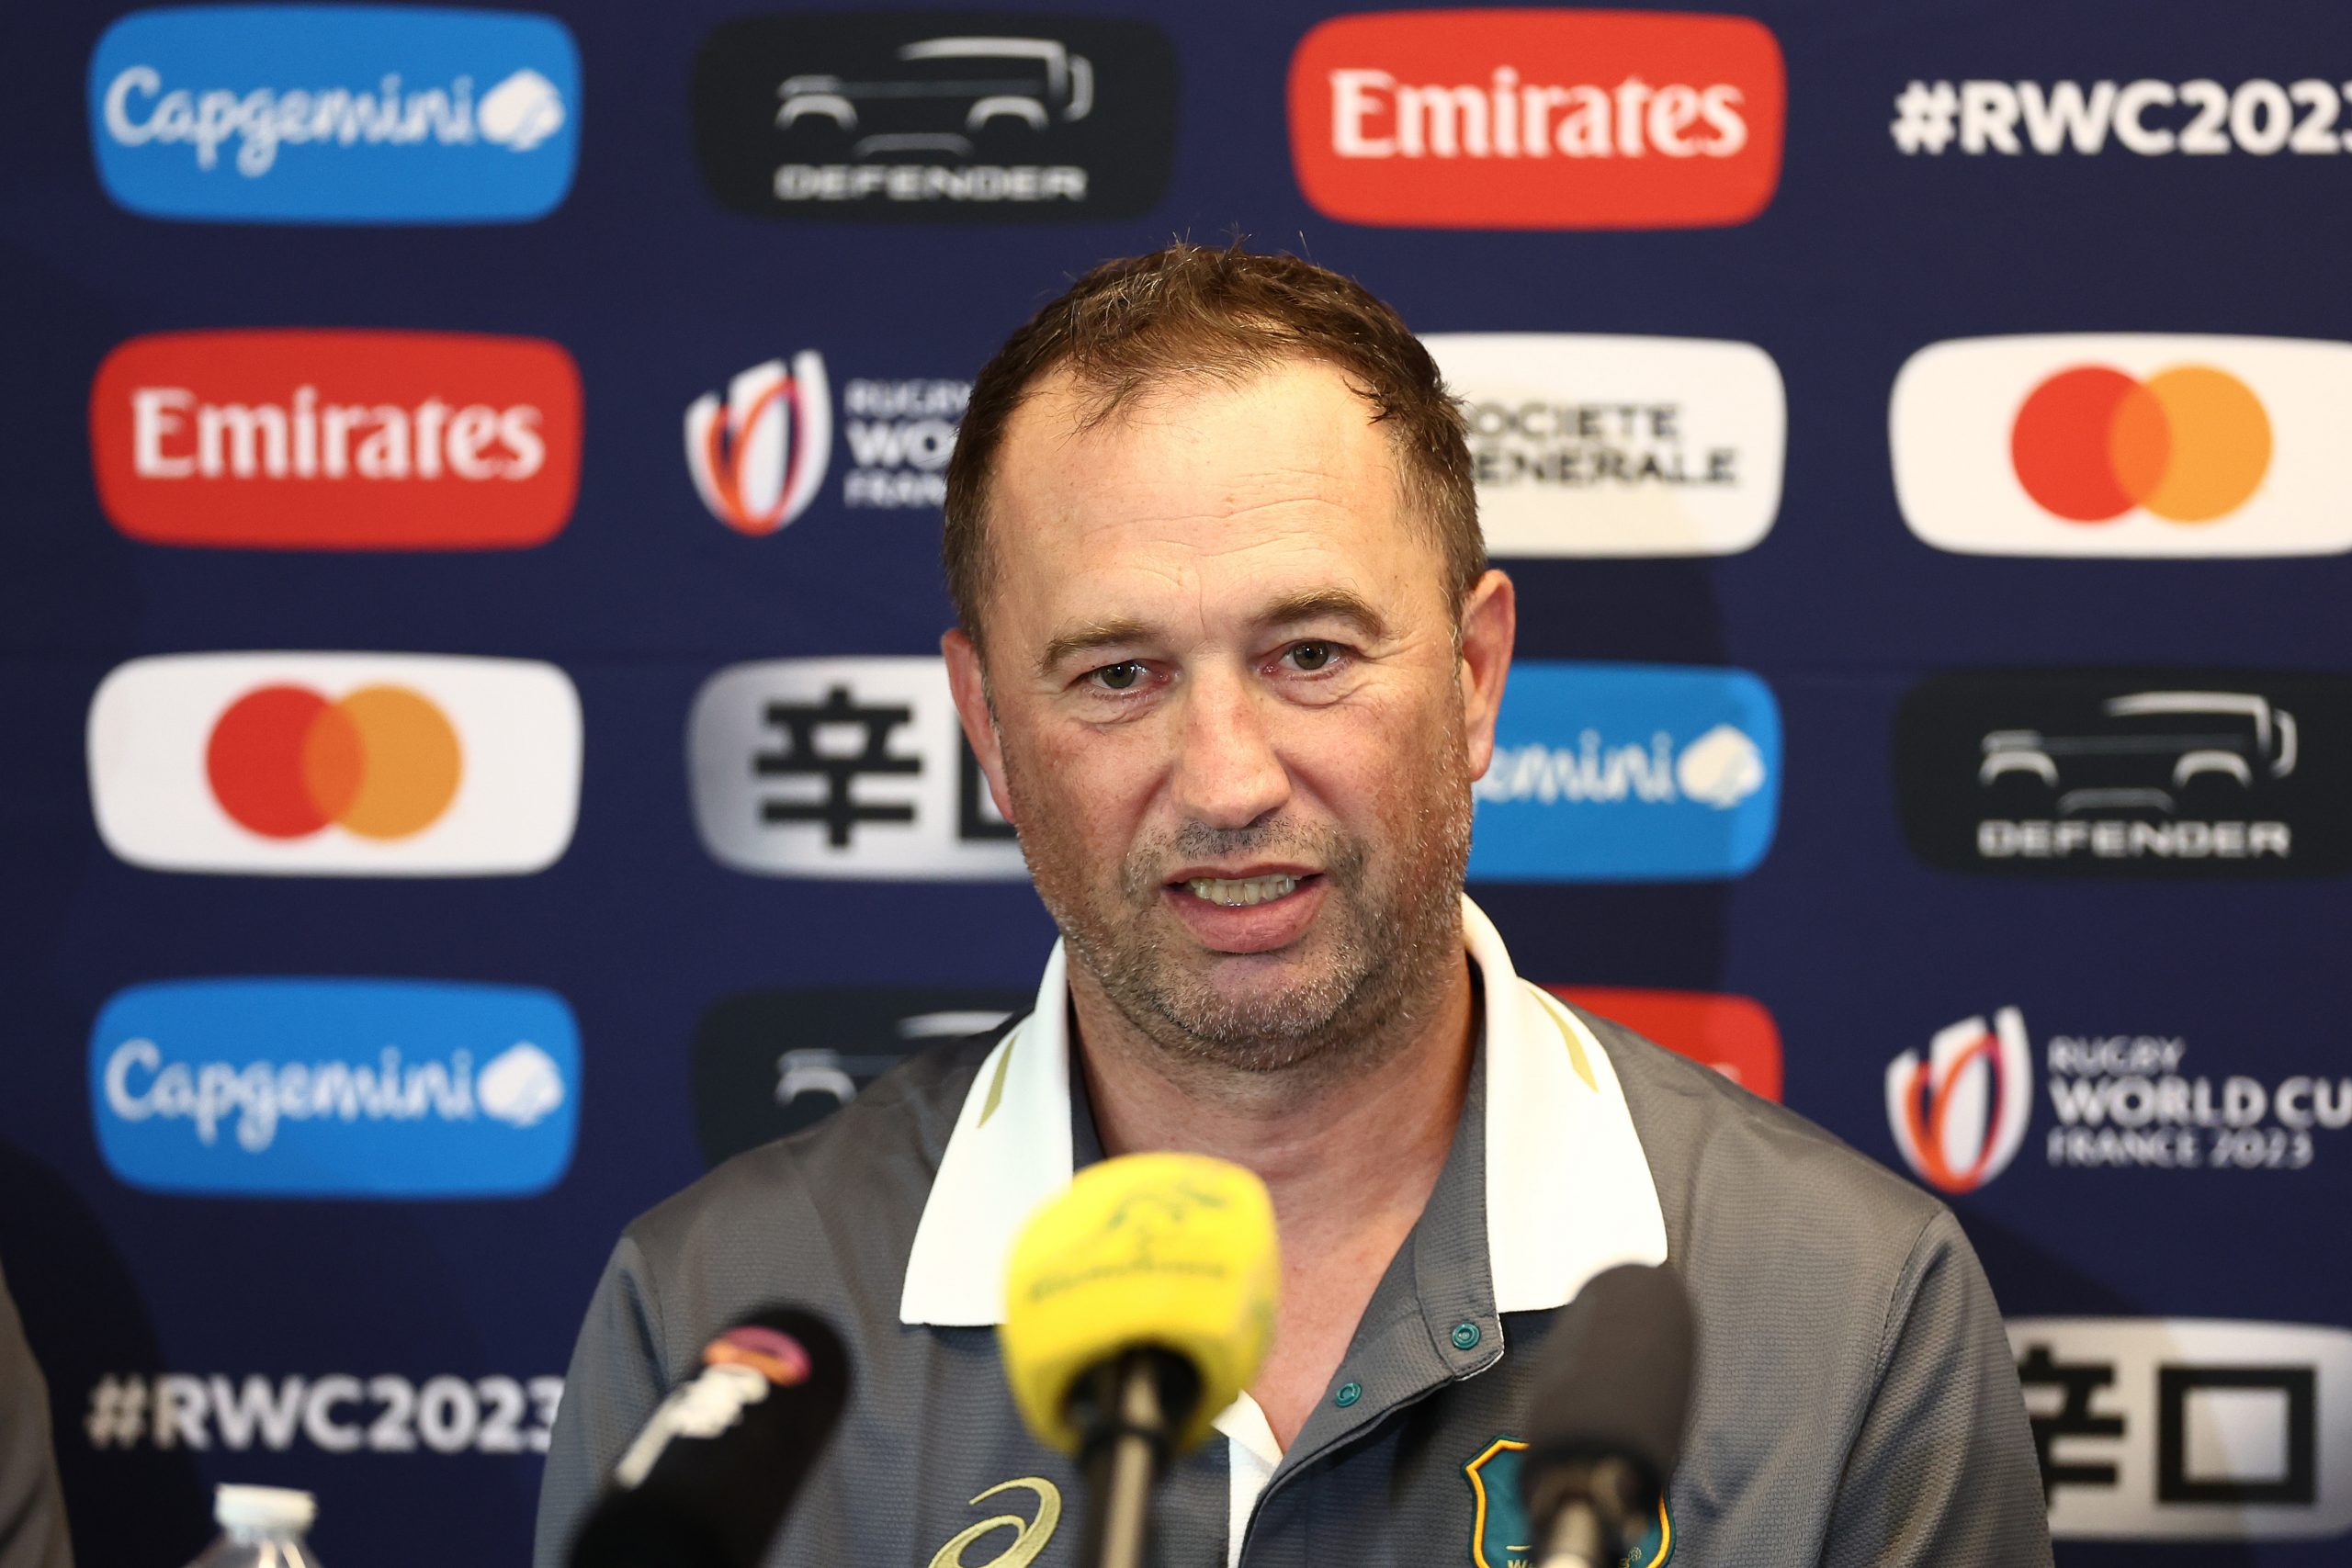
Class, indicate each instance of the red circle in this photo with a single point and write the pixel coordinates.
(2060, 444)
(254, 760)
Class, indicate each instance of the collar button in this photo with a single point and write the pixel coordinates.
(1465, 1337)
(1349, 1393)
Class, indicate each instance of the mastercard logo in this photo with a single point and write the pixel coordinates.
(354, 764)
(2190, 443)
(383, 763)
(2146, 445)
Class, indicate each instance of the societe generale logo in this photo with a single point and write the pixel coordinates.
(2124, 444)
(758, 459)
(337, 440)
(1959, 1115)
(338, 765)
(1597, 445)
(1537, 118)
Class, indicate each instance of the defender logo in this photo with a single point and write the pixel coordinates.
(768, 1064)
(936, 115)
(2128, 774)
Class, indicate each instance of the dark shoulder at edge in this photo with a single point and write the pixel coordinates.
(885, 1144)
(1708, 1139)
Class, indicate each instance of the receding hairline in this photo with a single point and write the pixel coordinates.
(1116, 400)
(1138, 329)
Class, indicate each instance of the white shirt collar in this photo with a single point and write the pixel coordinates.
(1568, 1188)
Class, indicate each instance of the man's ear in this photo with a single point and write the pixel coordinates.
(970, 688)
(1489, 626)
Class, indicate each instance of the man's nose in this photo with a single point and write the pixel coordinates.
(1227, 772)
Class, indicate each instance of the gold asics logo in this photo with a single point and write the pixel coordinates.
(1029, 1535)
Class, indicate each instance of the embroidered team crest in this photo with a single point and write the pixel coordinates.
(1500, 1535)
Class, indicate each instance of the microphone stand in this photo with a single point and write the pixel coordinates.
(1592, 1507)
(1128, 1408)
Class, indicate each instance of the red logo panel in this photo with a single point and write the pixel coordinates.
(1734, 1035)
(1538, 118)
(337, 440)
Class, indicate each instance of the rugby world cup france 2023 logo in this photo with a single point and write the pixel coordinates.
(758, 457)
(1959, 1115)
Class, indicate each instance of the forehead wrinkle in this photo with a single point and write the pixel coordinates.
(1196, 503)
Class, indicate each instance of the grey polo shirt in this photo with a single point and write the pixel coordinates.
(1855, 1404)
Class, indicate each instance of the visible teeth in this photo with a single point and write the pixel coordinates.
(1240, 895)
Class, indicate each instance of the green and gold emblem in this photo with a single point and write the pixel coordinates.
(1500, 1535)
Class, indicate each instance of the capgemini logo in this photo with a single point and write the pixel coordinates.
(1722, 768)
(757, 462)
(520, 1086)
(521, 112)
(1959, 1117)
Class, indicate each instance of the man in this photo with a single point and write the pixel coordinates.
(1231, 658)
(32, 1508)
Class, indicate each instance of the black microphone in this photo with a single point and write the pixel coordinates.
(707, 1481)
(1605, 1423)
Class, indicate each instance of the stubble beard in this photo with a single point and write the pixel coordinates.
(1381, 943)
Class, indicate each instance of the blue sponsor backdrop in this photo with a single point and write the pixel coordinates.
(1865, 254)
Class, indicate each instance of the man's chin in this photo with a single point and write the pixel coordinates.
(1248, 1000)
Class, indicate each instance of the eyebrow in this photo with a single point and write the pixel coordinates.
(1313, 604)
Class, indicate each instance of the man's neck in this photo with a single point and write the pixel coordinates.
(1350, 1155)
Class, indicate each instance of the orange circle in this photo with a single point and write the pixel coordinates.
(2221, 441)
(412, 765)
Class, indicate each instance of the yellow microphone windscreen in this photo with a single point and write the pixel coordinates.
(1166, 1250)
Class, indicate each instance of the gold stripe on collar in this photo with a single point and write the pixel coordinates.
(1577, 1059)
(996, 1084)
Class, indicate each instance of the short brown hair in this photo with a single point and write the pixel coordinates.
(1226, 313)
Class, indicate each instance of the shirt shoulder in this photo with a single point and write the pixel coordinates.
(1732, 1168)
(1850, 1351)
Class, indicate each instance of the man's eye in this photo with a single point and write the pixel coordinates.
(1310, 655)
(1119, 677)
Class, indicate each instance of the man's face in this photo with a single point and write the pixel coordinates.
(1229, 714)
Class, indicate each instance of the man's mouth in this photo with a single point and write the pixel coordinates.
(1240, 894)
(1267, 908)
